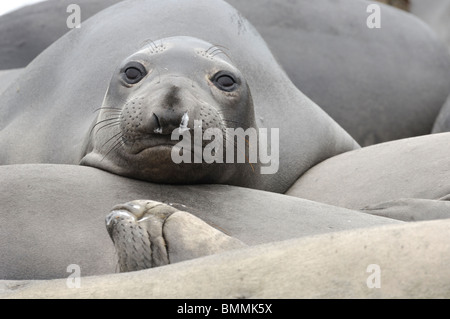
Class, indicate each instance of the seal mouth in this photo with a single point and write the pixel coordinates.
(164, 151)
(162, 147)
(148, 142)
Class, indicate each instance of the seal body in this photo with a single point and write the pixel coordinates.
(318, 43)
(374, 177)
(69, 202)
(65, 86)
(61, 210)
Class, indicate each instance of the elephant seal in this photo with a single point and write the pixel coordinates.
(405, 179)
(155, 96)
(61, 209)
(334, 38)
(376, 180)
(413, 262)
(76, 194)
(307, 135)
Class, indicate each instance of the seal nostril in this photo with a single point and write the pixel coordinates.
(158, 129)
(157, 122)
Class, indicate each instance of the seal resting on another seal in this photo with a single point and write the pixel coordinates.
(307, 135)
(333, 38)
(162, 90)
(62, 202)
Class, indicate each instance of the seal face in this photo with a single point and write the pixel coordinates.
(171, 85)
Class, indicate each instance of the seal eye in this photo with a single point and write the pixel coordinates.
(225, 81)
(133, 72)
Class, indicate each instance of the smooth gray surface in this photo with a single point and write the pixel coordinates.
(379, 84)
(7, 77)
(413, 260)
(412, 209)
(84, 60)
(54, 215)
(442, 123)
(414, 168)
(436, 13)
(28, 31)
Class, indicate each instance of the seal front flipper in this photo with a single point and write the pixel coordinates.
(149, 234)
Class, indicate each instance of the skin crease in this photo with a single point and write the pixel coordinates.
(171, 78)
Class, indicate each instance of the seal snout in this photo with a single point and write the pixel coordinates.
(165, 123)
(183, 125)
(173, 98)
(167, 113)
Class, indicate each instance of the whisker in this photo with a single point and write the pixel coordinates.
(211, 47)
(111, 138)
(219, 51)
(107, 108)
(223, 47)
(223, 54)
(152, 45)
(231, 121)
(115, 118)
(212, 52)
(228, 140)
(216, 46)
(192, 78)
(108, 125)
(253, 169)
(118, 142)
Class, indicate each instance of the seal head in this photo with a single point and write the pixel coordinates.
(174, 85)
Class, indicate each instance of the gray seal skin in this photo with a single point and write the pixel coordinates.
(413, 260)
(174, 79)
(54, 215)
(28, 31)
(436, 13)
(334, 39)
(406, 179)
(7, 77)
(307, 135)
(373, 82)
(63, 202)
(442, 123)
